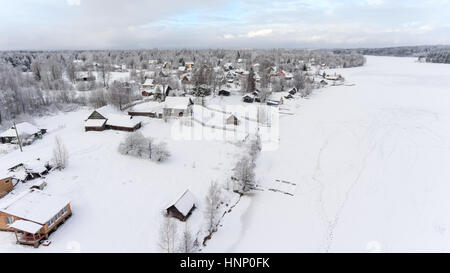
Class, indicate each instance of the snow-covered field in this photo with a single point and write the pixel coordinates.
(359, 168)
(118, 201)
(370, 163)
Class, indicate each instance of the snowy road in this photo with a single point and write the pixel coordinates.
(371, 164)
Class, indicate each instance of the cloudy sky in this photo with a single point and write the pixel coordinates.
(135, 24)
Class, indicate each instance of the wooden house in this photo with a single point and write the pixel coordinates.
(177, 106)
(33, 215)
(183, 207)
(27, 133)
(108, 118)
(189, 65)
(6, 185)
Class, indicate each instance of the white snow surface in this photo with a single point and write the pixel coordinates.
(370, 164)
(117, 201)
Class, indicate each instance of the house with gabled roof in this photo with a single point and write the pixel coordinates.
(33, 215)
(177, 107)
(182, 208)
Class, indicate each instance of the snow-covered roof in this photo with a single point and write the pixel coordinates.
(95, 122)
(122, 121)
(177, 102)
(185, 203)
(148, 82)
(26, 226)
(277, 96)
(107, 110)
(34, 205)
(23, 128)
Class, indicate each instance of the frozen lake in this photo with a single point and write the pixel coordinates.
(371, 165)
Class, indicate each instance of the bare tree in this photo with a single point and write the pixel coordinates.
(187, 242)
(60, 154)
(244, 174)
(168, 235)
(135, 144)
(212, 200)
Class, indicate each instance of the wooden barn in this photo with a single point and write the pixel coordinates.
(95, 125)
(183, 207)
(108, 118)
(32, 215)
(123, 123)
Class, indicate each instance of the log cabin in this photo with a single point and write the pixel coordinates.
(32, 215)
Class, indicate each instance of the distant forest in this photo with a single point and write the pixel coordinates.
(430, 54)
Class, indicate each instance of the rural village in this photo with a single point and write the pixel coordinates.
(144, 104)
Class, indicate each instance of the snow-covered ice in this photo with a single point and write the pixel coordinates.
(370, 163)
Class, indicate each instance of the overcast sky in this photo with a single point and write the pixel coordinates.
(136, 24)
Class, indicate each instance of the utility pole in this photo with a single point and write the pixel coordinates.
(18, 137)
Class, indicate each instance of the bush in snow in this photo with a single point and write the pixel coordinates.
(60, 154)
(136, 144)
(159, 152)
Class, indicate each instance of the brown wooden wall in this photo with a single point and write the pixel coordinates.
(5, 187)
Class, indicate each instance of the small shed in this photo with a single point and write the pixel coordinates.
(249, 98)
(224, 93)
(183, 207)
(293, 91)
(232, 119)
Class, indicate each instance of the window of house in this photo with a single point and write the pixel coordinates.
(7, 181)
(50, 222)
(64, 210)
(9, 220)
